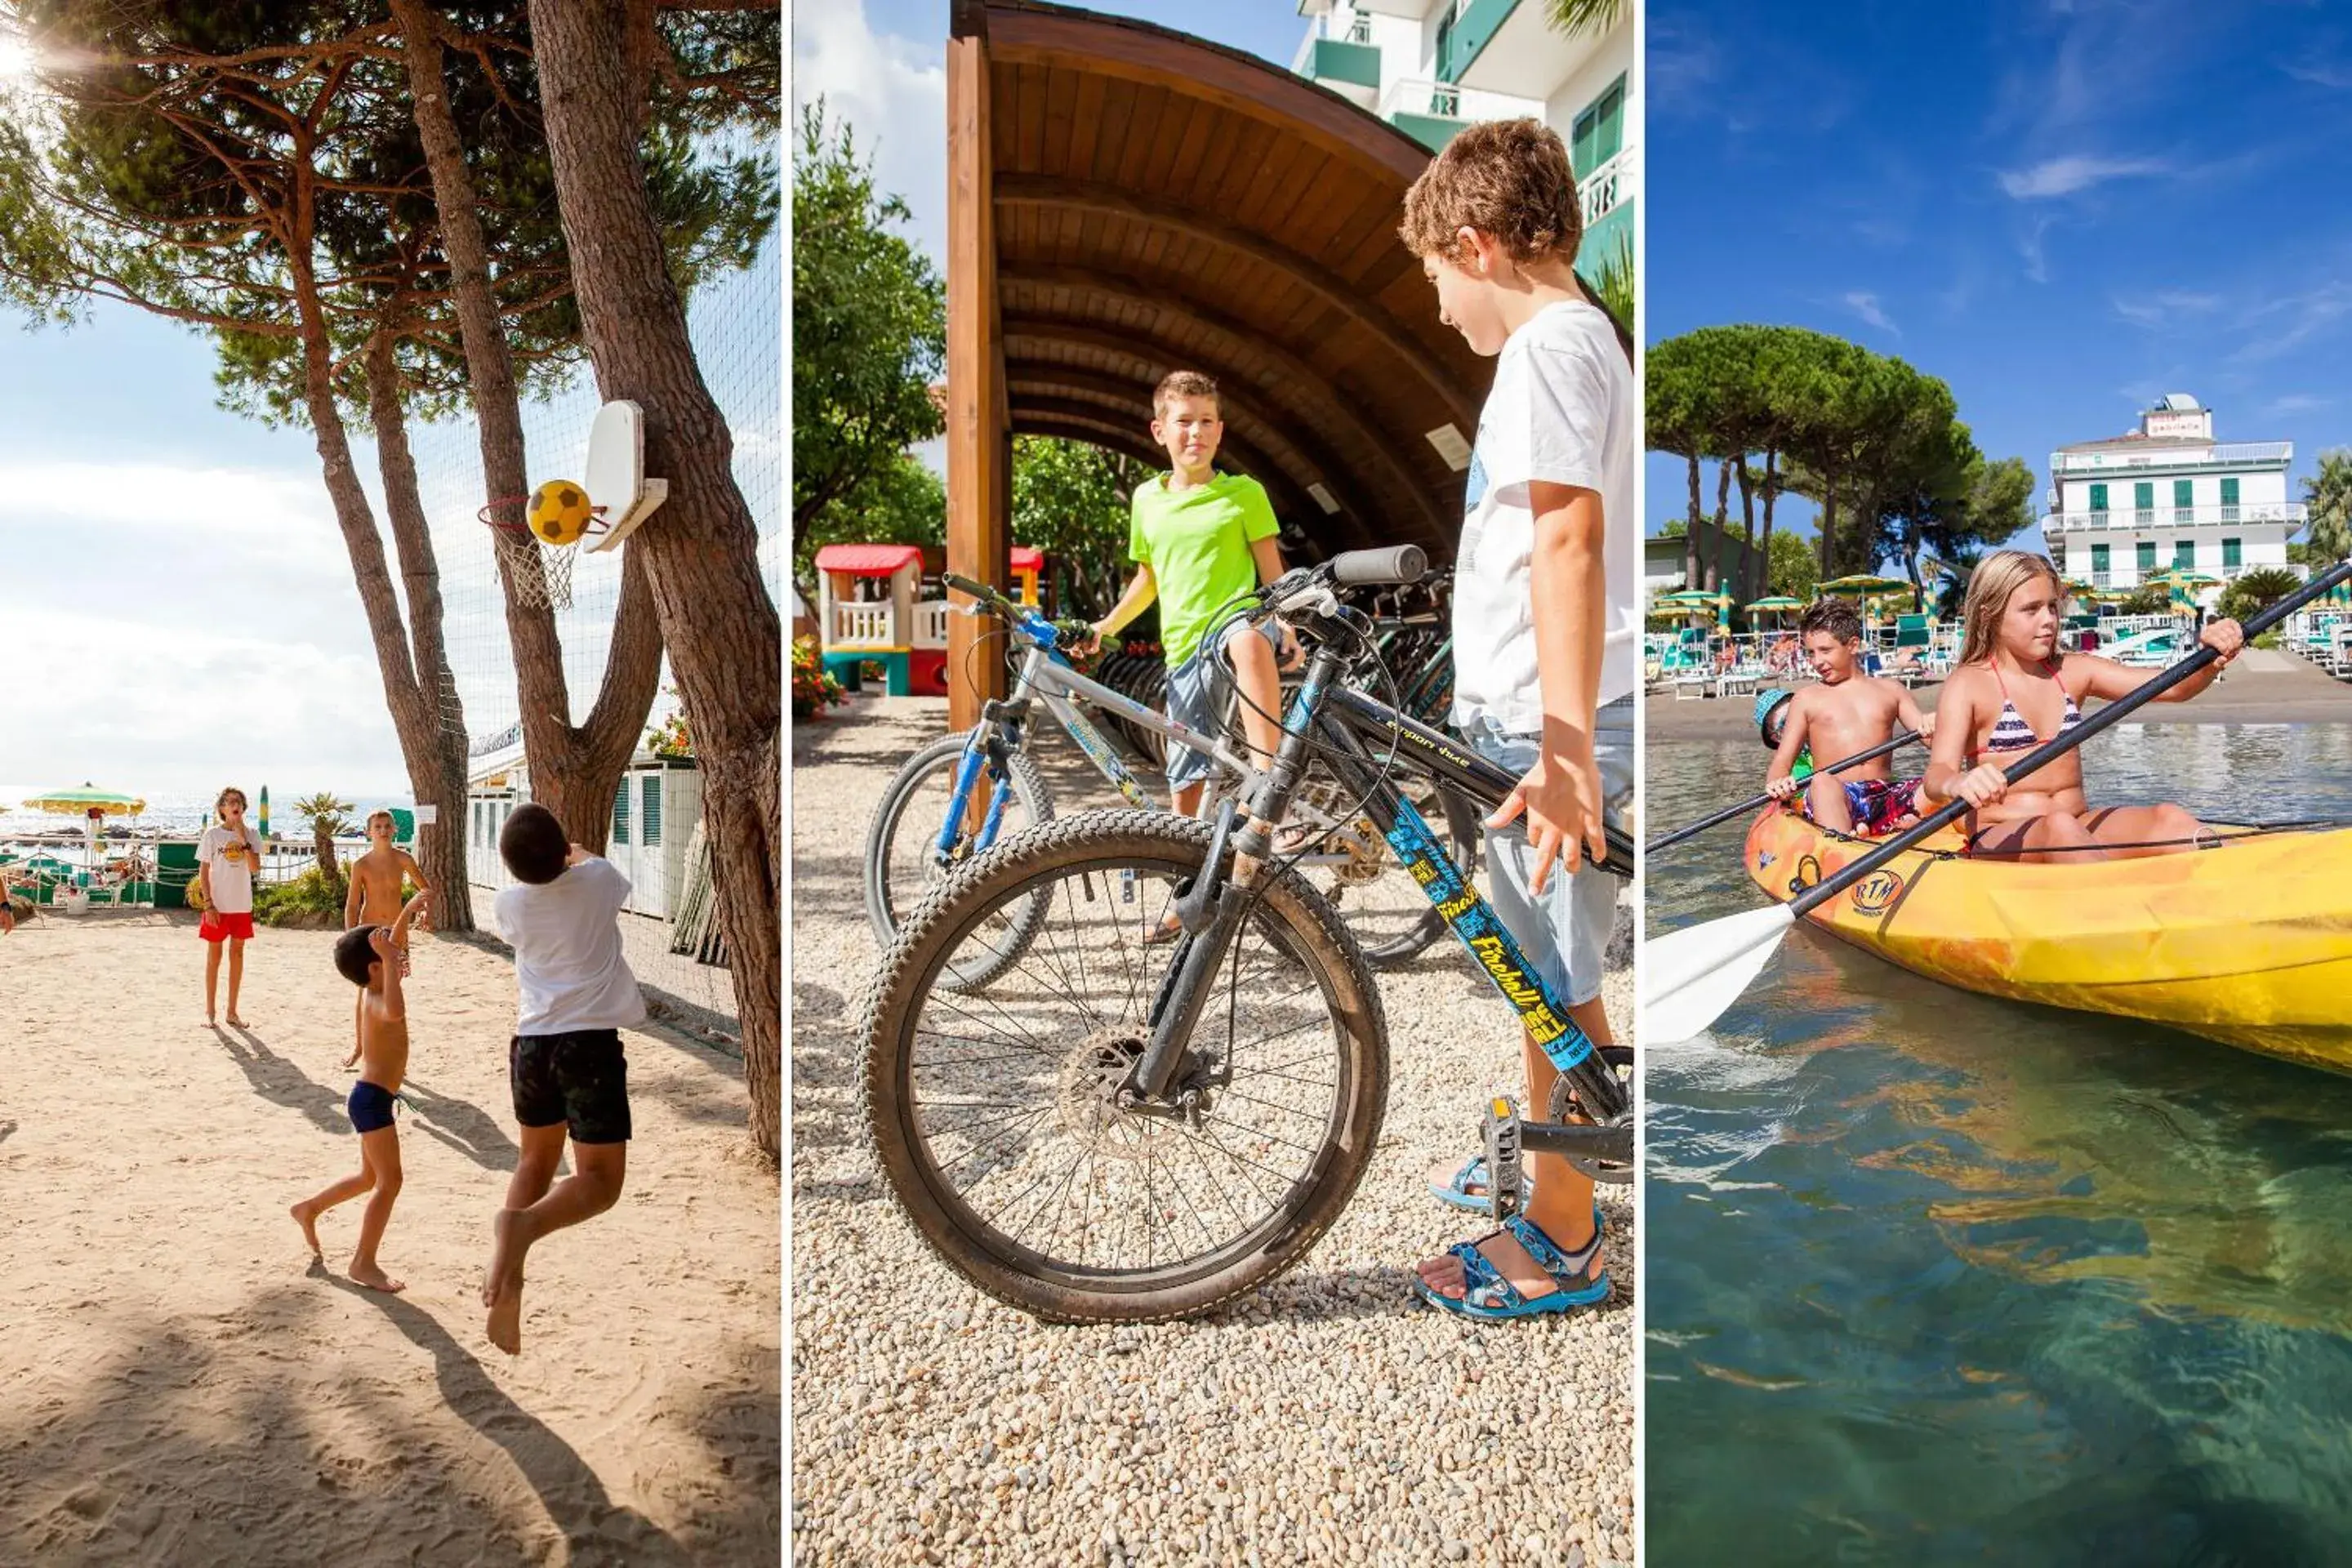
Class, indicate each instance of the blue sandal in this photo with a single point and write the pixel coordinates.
(1491, 1297)
(1456, 1194)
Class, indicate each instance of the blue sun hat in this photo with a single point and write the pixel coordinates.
(1769, 699)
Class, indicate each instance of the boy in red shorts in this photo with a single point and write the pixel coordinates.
(227, 856)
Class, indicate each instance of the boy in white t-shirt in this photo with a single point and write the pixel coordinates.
(1544, 630)
(228, 855)
(565, 1065)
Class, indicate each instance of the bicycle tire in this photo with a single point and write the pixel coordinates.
(887, 907)
(1307, 930)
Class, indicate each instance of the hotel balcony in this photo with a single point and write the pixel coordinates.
(2239, 455)
(2290, 515)
(1430, 113)
(1511, 46)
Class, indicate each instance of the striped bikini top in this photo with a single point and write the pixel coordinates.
(2010, 733)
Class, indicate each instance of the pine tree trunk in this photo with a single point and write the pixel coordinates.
(439, 777)
(1691, 571)
(575, 770)
(700, 551)
(1757, 563)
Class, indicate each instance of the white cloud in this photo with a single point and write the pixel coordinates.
(2319, 73)
(893, 92)
(2295, 402)
(2165, 305)
(2076, 171)
(1866, 306)
(2037, 261)
(2307, 316)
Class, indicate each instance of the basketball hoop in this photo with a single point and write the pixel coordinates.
(541, 573)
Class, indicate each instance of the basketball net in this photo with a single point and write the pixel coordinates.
(539, 573)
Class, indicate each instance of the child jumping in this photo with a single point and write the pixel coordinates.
(1848, 712)
(2013, 691)
(1200, 540)
(377, 878)
(369, 957)
(575, 994)
(1544, 627)
(228, 854)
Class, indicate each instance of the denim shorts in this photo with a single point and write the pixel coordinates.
(1196, 690)
(1565, 931)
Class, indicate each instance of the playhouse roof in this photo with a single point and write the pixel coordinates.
(1027, 558)
(869, 560)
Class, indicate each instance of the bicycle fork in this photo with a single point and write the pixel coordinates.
(983, 749)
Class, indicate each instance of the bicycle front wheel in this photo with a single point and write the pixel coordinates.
(901, 862)
(997, 1117)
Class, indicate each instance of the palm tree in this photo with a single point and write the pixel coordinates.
(1571, 17)
(325, 815)
(2328, 494)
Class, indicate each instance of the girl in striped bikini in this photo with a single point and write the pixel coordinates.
(2012, 691)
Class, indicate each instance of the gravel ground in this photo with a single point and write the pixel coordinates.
(1326, 1418)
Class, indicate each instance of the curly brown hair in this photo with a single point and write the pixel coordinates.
(1834, 616)
(1507, 178)
(1184, 384)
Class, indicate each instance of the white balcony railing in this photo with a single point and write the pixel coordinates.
(1421, 96)
(2237, 454)
(1602, 189)
(2290, 515)
(864, 625)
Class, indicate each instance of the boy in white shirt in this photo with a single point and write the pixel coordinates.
(565, 1065)
(1544, 624)
(228, 855)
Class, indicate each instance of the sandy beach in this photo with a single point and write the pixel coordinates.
(180, 1384)
(2263, 687)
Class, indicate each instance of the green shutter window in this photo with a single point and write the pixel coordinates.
(2182, 489)
(649, 809)
(2098, 498)
(1598, 132)
(2229, 493)
(2232, 555)
(2145, 551)
(2184, 555)
(2143, 495)
(621, 813)
(2099, 566)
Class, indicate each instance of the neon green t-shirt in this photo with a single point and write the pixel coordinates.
(1197, 543)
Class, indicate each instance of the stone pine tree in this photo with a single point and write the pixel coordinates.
(596, 64)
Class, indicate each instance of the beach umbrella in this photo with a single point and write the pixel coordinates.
(1865, 584)
(90, 803)
(1777, 602)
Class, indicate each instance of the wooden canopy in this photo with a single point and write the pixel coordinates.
(1125, 200)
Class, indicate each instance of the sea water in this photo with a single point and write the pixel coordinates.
(1935, 1277)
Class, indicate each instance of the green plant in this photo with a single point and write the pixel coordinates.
(813, 687)
(315, 895)
(1615, 282)
(671, 738)
(2148, 601)
(326, 818)
(2263, 586)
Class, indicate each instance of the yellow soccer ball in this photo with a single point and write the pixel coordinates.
(560, 513)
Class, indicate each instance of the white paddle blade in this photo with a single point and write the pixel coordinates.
(1690, 977)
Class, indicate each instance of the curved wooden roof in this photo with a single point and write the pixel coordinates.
(1161, 203)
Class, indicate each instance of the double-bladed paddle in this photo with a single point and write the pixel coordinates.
(1902, 740)
(1695, 974)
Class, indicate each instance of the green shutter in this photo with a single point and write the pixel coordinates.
(2182, 491)
(621, 813)
(2184, 555)
(2232, 552)
(649, 809)
(2098, 561)
(2145, 551)
(2229, 492)
(2098, 498)
(2143, 495)
(1610, 136)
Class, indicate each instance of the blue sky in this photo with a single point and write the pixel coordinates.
(2064, 208)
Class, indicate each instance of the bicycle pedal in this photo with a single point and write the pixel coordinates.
(1502, 1141)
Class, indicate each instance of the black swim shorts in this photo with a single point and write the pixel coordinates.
(578, 1078)
(370, 1107)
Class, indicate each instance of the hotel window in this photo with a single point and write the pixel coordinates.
(2098, 498)
(2098, 566)
(2232, 555)
(2184, 555)
(2184, 506)
(2229, 501)
(649, 810)
(1598, 134)
(621, 813)
(2145, 555)
(2144, 502)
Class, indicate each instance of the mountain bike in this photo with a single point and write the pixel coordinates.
(961, 794)
(1107, 1130)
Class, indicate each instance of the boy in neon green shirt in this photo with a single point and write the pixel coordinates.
(1200, 540)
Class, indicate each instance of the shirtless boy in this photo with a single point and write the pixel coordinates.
(369, 957)
(374, 896)
(1847, 712)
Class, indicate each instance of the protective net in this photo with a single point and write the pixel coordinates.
(671, 931)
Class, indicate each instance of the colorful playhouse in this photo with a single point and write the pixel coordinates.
(867, 613)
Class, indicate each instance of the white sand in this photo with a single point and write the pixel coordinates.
(180, 1384)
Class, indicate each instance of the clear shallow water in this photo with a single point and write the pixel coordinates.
(1937, 1278)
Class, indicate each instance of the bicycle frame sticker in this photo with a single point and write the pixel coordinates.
(1098, 752)
(1482, 931)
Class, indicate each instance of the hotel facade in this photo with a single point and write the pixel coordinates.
(2167, 496)
(1431, 66)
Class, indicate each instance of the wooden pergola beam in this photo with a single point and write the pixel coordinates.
(978, 441)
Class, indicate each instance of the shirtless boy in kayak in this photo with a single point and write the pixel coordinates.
(1847, 712)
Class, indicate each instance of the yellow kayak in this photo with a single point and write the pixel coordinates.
(2249, 943)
